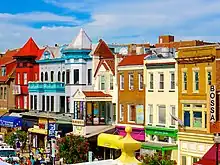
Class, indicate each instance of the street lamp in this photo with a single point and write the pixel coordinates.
(217, 141)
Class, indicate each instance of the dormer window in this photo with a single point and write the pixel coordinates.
(3, 71)
(46, 55)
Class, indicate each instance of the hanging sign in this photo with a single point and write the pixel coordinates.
(212, 96)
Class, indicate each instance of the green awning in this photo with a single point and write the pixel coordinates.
(159, 146)
(161, 131)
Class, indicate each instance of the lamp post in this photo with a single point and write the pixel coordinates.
(217, 141)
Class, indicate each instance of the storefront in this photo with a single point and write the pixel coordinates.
(10, 123)
(192, 146)
(137, 132)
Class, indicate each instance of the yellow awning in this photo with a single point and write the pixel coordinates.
(108, 140)
(38, 131)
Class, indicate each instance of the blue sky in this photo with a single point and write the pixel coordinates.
(116, 21)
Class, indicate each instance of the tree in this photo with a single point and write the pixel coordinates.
(157, 159)
(73, 149)
(19, 135)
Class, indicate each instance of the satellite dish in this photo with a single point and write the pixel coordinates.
(123, 51)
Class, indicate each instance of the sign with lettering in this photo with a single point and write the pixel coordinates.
(78, 122)
(79, 130)
(212, 96)
(52, 130)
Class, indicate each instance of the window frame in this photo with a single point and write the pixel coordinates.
(19, 78)
(102, 82)
(195, 82)
(25, 78)
(151, 114)
(122, 82)
(45, 76)
(89, 76)
(129, 111)
(173, 109)
(172, 80)
(111, 87)
(131, 81)
(18, 102)
(161, 81)
(76, 76)
(141, 81)
(151, 81)
(59, 76)
(25, 102)
(1, 93)
(121, 113)
(184, 80)
(164, 106)
(52, 76)
(208, 82)
(5, 93)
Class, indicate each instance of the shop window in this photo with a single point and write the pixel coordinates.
(76, 76)
(131, 81)
(172, 80)
(131, 113)
(89, 76)
(196, 81)
(48, 103)
(197, 119)
(162, 114)
(151, 75)
(46, 76)
(59, 76)
(121, 113)
(121, 81)
(52, 103)
(184, 160)
(32, 102)
(35, 102)
(161, 85)
(63, 76)
(111, 82)
(141, 79)
(173, 112)
(102, 82)
(67, 76)
(25, 78)
(187, 118)
(1, 92)
(25, 102)
(43, 103)
(150, 111)
(184, 81)
(52, 76)
(42, 76)
(5, 93)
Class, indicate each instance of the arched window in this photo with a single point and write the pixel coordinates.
(42, 76)
(46, 76)
(59, 76)
(51, 76)
(63, 76)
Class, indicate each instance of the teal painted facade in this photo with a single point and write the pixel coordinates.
(43, 87)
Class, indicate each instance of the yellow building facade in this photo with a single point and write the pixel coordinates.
(196, 71)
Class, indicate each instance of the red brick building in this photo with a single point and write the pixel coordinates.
(26, 70)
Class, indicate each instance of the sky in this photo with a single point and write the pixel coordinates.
(116, 21)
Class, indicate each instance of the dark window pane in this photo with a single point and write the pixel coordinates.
(186, 118)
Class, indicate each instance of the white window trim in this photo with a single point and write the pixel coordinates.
(208, 69)
(121, 118)
(161, 81)
(183, 83)
(19, 78)
(18, 101)
(139, 80)
(150, 106)
(172, 72)
(25, 78)
(101, 82)
(25, 102)
(158, 109)
(171, 108)
(129, 109)
(129, 81)
(111, 82)
(122, 76)
(150, 80)
(194, 81)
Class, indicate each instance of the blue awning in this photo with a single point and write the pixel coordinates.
(10, 121)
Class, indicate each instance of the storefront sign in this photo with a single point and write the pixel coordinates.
(52, 130)
(79, 130)
(139, 114)
(77, 122)
(212, 97)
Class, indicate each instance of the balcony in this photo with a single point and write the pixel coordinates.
(42, 87)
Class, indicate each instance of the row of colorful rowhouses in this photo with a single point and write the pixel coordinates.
(152, 88)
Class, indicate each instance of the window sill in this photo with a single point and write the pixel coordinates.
(150, 90)
(150, 124)
(131, 122)
(141, 89)
(161, 125)
(161, 90)
(121, 89)
(172, 90)
(184, 92)
(195, 92)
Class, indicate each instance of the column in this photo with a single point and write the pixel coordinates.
(39, 102)
(56, 103)
(45, 101)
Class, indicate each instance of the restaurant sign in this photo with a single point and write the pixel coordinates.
(212, 97)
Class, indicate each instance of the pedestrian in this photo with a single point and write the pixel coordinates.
(28, 161)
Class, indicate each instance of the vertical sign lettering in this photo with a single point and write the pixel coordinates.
(212, 96)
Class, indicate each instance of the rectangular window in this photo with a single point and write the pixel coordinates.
(131, 81)
(25, 102)
(102, 82)
(43, 103)
(25, 78)
(19, 81)
(172, 81)
(32, 102)
(18, 101)
(68, 104)
(197, 119)
(52, 76)
(3, 71)
(184, 81)
(162, 114)
(151, 76)
(205, 120)
(131, 113)
(52, 103)
(111, 82)
(5, 93)
(121, 113)
(121, 82)
(76, 76)
(1, 92)
(89, 76)
(141, 79)
(35, 102)
(48, 103)
(150, 111)
(209, 78)
(184, 160)
(173, 112)
(196, 80)
(161, 81)
(187, 118)
(67, 76)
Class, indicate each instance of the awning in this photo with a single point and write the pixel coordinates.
(210, 157)
(38, 131)
(159, 146)
(10, 121)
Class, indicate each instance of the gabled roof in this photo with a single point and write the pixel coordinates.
(133, 60)
(102, 50)
(109, 64)
(82, 41)
(29, 49)
(8, 56)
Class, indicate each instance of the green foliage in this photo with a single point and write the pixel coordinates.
(73, 149)
(157, 159)
(11, 137)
